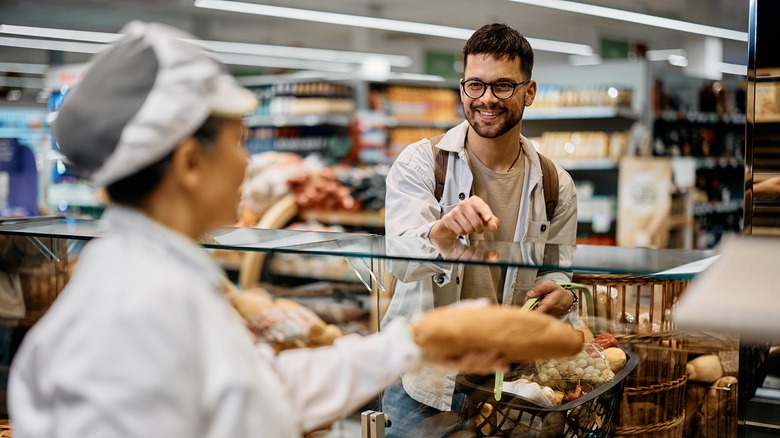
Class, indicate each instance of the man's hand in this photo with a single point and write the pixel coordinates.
(556, 300)
(472, 215)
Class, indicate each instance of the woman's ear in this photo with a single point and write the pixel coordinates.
(187, 163)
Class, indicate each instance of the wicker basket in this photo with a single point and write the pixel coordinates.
(711, 411)
(620, 300)
(5, 429)
(637, 310)
(654, 397)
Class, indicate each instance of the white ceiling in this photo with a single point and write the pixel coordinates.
(532, 21)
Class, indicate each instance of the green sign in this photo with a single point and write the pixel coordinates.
(441, 64)
(614, 49)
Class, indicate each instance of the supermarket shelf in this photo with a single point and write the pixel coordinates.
(679, 220)
(347, 218)
(393, 123)
(774, 118)
(295, 265)
(714, 163)
(583, 112)
(700, 117)
(595, 164)
(299, 120)
(732, 206)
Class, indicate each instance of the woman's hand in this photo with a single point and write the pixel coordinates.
(475, 362)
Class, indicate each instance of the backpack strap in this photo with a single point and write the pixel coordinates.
(550, 188)
(440, 160)
(550, 185)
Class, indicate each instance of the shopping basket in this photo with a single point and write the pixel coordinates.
(593, 415)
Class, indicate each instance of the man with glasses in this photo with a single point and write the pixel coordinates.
(493, 192)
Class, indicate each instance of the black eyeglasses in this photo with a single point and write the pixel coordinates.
(503, 89)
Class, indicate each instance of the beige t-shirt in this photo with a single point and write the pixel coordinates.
(502, 192)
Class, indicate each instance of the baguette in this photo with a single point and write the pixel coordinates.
(518, 335)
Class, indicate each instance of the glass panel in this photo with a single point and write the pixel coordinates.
(587, 258)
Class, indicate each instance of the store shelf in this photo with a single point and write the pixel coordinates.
(595, 164)
(732, 206)
(299, 120)
(773, 118)
(700, 117)
(393, 123)
(679, 220)
(583, 112)
(718, 163)
(315, 268)
(347, 218)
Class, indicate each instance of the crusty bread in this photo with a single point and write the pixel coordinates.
(519, 335)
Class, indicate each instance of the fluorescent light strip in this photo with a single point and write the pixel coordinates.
(232, 59)
(30, 69)
(333, 18)
(635, 17)
(663, 54)
(301, 53)
(63, 46)
(61, 34)
(271, 62)
(733, 69)
(216, 46)
(378, 23)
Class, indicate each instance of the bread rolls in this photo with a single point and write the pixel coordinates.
(518, 335)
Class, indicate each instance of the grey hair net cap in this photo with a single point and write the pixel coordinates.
(140, 98)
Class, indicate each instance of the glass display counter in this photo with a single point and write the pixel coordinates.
(350, 280)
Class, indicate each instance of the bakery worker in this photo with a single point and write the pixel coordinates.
(492, 191)
(142, 342)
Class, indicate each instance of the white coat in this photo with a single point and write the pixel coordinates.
(142, 343)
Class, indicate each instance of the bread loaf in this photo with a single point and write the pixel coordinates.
(518, 335)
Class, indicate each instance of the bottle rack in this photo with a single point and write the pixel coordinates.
(715, 142)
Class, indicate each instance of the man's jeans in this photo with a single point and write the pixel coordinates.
(410, 418)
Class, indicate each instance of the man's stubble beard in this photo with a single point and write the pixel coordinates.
(510, 119)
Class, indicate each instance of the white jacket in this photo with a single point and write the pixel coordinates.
(411, 210)
(142, 343)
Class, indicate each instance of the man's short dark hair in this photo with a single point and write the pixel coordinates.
(133, 189)
(500, 40)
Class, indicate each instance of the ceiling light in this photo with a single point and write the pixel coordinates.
(30, 69)
(302, 53)
(733, 69)
(272, 62)
(635, 17)
(663, 54)
(226, 58)
(215, 46)
(678, 60)
(62, 34)
(378, 23)
(63, 46)
(579, 60)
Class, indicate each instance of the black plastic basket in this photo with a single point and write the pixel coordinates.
(592, 415)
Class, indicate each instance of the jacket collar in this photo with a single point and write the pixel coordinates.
(455, 141)
(121, 220)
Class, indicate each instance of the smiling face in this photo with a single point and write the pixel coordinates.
(489, 116)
